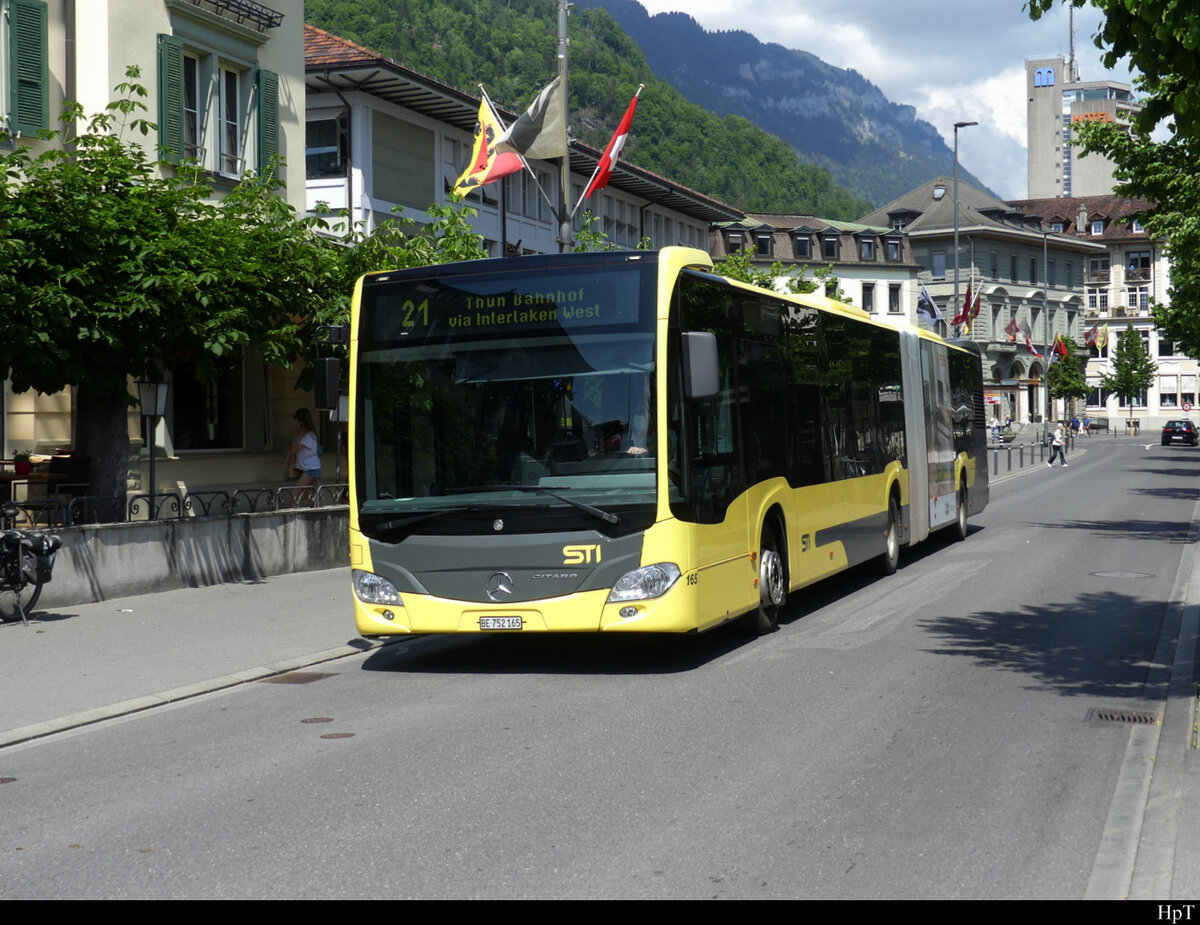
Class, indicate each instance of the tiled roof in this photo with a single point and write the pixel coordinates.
(1112, 208)
(323, 49)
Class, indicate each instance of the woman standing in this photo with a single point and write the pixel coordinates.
(303, 454)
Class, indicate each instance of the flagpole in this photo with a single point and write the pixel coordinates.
(564, 221)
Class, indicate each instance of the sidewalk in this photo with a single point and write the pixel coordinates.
(79, 664)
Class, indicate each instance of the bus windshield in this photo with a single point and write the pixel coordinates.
(527, 397)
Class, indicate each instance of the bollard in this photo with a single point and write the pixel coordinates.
(1009, 448)
(1021, 457)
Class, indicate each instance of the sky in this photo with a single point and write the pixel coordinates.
(954, 60)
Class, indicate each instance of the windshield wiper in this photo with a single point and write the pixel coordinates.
(606, 516)
(388, 527)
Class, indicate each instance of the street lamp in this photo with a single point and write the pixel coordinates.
(1046, 334)
(152, 396)
(957, 126)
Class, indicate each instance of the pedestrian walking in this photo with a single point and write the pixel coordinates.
(1087, 426)
(1057, 443)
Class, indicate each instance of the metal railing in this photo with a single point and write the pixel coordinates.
(174, 505)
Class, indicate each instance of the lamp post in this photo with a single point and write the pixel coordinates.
(152, 396)
(957, 126)
(1046, 333)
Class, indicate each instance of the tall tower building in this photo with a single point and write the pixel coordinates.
(1058, 101)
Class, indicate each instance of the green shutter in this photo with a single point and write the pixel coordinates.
(29, 77)
(170, 98)
(267, 93)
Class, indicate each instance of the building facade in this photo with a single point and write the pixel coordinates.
(873, 265)
(225, 84)
(1120, 284)
(1058, 102)
(1028, 279)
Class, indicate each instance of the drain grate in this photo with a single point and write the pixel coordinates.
(297, 677)
(1123, 715)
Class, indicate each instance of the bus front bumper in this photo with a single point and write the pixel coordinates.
(585, 612)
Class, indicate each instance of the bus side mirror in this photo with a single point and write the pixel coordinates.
(701, 372)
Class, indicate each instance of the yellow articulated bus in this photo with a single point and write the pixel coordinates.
(626, 442)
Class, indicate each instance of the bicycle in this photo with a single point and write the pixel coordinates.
(26, 563)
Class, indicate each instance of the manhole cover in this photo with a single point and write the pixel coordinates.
(1122, 574)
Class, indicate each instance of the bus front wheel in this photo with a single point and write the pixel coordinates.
(960, 521)
(772, 586)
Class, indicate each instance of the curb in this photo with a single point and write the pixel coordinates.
(9, 737)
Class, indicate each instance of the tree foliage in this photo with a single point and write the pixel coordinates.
(1161, 38)
(1132, 369)
(114, 266)
(509, 46)
(742, 266)
(1066, 378)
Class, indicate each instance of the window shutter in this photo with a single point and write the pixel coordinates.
(30, 79)
(267, 93)
(170, 98)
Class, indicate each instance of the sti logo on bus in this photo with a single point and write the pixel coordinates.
(580, 555)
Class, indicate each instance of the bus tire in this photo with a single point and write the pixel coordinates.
(772, 586)
(889, 560)
(959, 530)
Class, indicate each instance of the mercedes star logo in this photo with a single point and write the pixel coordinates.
(499, 586)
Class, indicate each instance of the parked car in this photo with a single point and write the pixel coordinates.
(1180, 432)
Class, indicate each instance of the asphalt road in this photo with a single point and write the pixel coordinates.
(926, 735)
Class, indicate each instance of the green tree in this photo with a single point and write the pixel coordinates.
(741, 266)
(1132, 369)
(111, 268)
(1065, 378)
(1161, 39)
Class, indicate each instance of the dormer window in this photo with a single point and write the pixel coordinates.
(866, 249)
(1097, 226)
(1057, 227)
(829, 247)
(733, 242)
(894, 250)
(803, 251)
(762, 244)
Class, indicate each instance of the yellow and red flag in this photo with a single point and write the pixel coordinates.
(490, 160)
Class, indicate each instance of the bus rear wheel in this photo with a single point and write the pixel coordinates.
(889, 560)
(772, 586)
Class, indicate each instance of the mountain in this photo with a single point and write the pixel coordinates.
(833, 117)
(510, 45)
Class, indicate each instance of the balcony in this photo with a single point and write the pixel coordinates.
(1097, 276)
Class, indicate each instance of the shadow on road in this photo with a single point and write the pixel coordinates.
(1171, 531)
(1062, 645)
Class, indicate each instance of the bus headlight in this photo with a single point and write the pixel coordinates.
(374, 589)
(644, 583)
